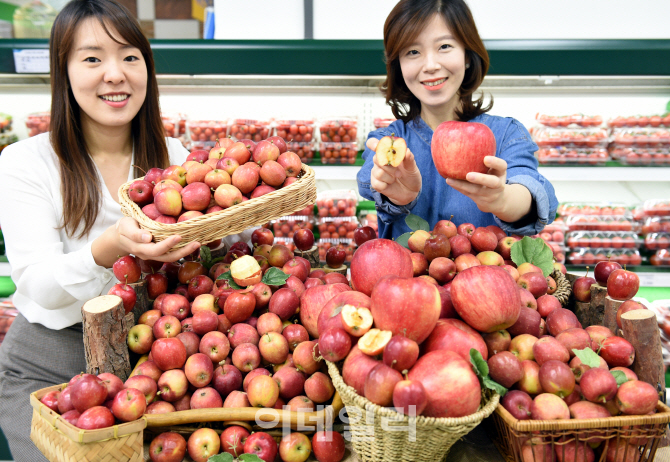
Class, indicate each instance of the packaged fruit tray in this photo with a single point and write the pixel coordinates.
(337, 203)
(604, 239)
(338, 130)
(593, 208)
(337, 228)
(655, 241)
(304, 150)
(655, 225)
(299, 131)
(641, 137)
(660, 258)
(580, 120)
(338, 153)
(656, 207)
(551, 236)
(254, 130)
(654, 157)
(573, 156)
(5, 122)
(379, 122)
(207, 130)
(348, 245)
(38, 122)
(578, 137)
(287, 226)
(557, 225)
(640, 121)
(601, 223)
(174, 124)
(589, 256)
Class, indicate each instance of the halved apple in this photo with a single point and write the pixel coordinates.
(391, 151)
(374, 341)
(356, 321)
(246, 271)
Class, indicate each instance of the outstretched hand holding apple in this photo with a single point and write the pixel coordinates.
(489, 191)
(401, 184)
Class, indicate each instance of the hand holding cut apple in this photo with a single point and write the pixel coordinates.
(400, 184)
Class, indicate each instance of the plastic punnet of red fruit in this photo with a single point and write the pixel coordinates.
(254, 130)
(344, 130)
(336, 203)
(337, 227)
(296, 131)
(38, 122)
(577, 119)
(568, 156)
(577, 138)
(640, 121)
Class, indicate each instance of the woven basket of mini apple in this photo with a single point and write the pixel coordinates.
(60, 441)
(186, 201)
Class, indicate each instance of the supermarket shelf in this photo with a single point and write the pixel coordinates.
(345, 172)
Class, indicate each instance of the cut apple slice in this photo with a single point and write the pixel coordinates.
(356, 321)
(246, 271)
(374, 341)
(391, 151)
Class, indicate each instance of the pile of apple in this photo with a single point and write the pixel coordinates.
(210, 181)
(221, 337)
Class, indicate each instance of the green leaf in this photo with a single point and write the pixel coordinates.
(229, 277)
(216, 260)
(205, 256)
(588, 357)
(402, 239)
(223, 457)
(479, 363)
(250, 458)
(620, 377)
(495, 386)
(415, 223)
(275, 277)
(534, 251)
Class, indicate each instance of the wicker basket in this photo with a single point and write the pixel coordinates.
(233, 220)
(512, 433)
(61, 441)
(391, 442)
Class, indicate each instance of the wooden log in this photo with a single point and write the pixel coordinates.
(342, 269)
(640, 328)
(583, 312)
(609, 317)
(142, 303)
(106, 327)
(598, 295)
(311, 255)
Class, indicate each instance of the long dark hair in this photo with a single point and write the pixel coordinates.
(403, 25)
(80, 187)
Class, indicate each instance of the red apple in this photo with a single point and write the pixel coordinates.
(364, 234)
(168, 353)
(379, 384)
(617, 351)
(486, 298)
(87, 392)
(455, 335)
(603, 270)
(203, 444)
(313, 300)
(232, 440)
(167, 447)
(328, 446)
(95, 418)
(636, 397)
(517, 403)
(365, 265)
(127, 294)
(227, 378)
(129, 405)
(598, 385)
(622, 284)
(557, 378)
(260, 443)
(505, 368)
(452, 138)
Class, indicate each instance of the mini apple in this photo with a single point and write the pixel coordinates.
(167, 447)
(203, 444)
(622, 284)
(95, 418)
(603, 269)
(232, 440)
(517, 403)
(295, 447)
(140, 339)
(364, 234)
(261, 444)
(129, 405)
(390, 151)
(127, 294)
(319, 388)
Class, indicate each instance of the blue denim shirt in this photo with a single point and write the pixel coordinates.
(438, 201)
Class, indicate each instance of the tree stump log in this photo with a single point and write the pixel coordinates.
(342, 269)
(598, 295)
(106, 327)
(583, 313)
(142, 303)
(640, 328)
(609, 318)
(311, 255)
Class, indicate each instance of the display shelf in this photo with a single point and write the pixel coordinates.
(366, 57)
(346, 172)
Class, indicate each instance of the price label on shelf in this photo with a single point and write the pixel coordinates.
(31, 61)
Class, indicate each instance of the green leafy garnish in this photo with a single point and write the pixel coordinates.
(250, 458)
(275, 277)
(403, 238)
(482, 371)
(534, 251)
(231, 282)
(415, 223)
(620, 377)
(588, 357)
(223, 457)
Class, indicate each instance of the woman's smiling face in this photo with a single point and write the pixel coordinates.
(107, 78)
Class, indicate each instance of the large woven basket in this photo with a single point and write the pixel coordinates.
(233, 220)
(380, 434)
(648, 432)
(61, 441)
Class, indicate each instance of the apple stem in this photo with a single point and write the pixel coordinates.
(140, 169)
(451, 217)
(587, 271)
(405, 374)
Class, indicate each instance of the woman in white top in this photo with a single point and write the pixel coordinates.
(59, 210)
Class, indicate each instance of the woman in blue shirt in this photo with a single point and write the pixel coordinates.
(435, 62)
